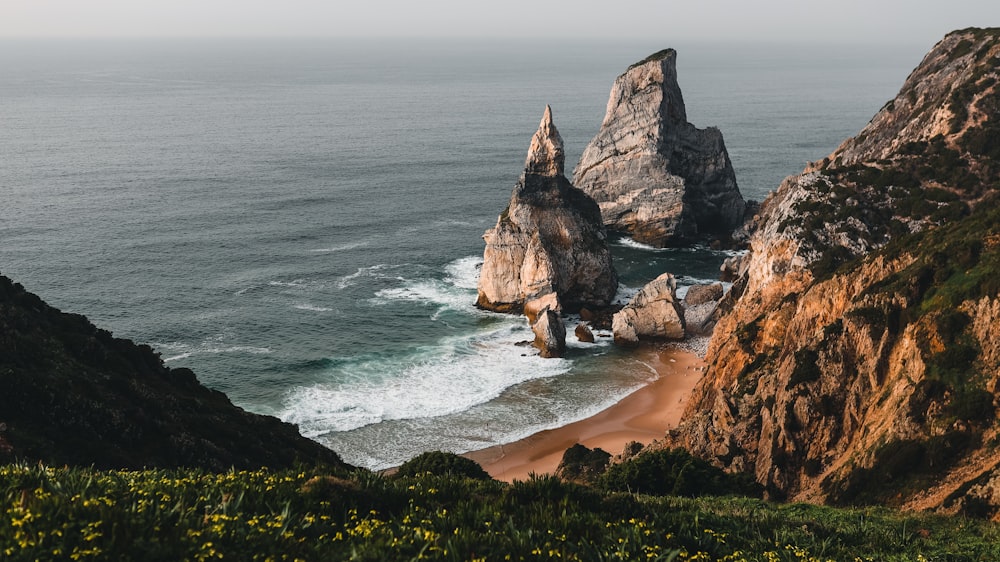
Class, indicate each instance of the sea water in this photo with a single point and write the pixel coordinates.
(300, 222)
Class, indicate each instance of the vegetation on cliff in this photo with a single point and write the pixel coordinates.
(311, 514)
(73, 394)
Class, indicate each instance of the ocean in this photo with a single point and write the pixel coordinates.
(300, 221)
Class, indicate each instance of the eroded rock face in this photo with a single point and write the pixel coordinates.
(550, 333)
(655, 176)
(653, 314)
(549, 247)
(829, 375)
(702, 294)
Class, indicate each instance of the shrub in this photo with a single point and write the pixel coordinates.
(675, 472)
(583, 464)
(440, 463)
(972, 404)
(830, 262)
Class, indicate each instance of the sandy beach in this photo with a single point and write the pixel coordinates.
(641, 416)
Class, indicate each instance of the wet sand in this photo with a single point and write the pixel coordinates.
(642, 416)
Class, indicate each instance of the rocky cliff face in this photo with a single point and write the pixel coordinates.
(655, 176)
(73, 394)
(858, 361)
(548, 248)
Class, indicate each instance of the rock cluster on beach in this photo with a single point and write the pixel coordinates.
(549, 248)
(655, 176)
(653, 314)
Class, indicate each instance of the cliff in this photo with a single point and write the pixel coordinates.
(549, 247)
(858, 360)
(655, 176)
(73, 394)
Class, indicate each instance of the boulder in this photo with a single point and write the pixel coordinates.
(653, 314)
(549, 247)
(550, 333)
(657, 177)
(699, 320)
(584, 334)
(701, 294)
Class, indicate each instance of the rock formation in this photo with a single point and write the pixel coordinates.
(703, 294)
(859, 360)
(548, 248)
(655, 176)
(73, 394)
(550, 333)
(701, 308)
(652, 314)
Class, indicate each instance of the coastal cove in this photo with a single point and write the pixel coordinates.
(300, 223)
(641, 417)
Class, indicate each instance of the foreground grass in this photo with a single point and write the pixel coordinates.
(82, 514)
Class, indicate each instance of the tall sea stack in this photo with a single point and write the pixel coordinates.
(657, 177)
(549, 247)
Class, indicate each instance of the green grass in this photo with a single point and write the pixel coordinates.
(306, 514)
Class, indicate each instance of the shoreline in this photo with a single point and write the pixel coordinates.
(643, 416)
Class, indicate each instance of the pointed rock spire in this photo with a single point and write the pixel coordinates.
(548, 251)
(546, 156)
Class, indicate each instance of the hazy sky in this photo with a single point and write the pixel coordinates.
(909, 21)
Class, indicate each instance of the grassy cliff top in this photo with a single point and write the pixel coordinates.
(308, 514)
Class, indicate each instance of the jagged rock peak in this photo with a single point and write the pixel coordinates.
(549, 247)
(655, 176)
(546, 156)
(953, 92)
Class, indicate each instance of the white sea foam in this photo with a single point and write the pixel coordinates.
(342, 247)
(481, 426)
(630, 243)
(727, 253)
(688, 281)
(464, 272)
(625, 294)
(456, 291)
(698, 248)
(379, 271)
(294, 283)
(429, 291)
(312, 308)
(253, 350)
(208, 348)
(452, 376)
